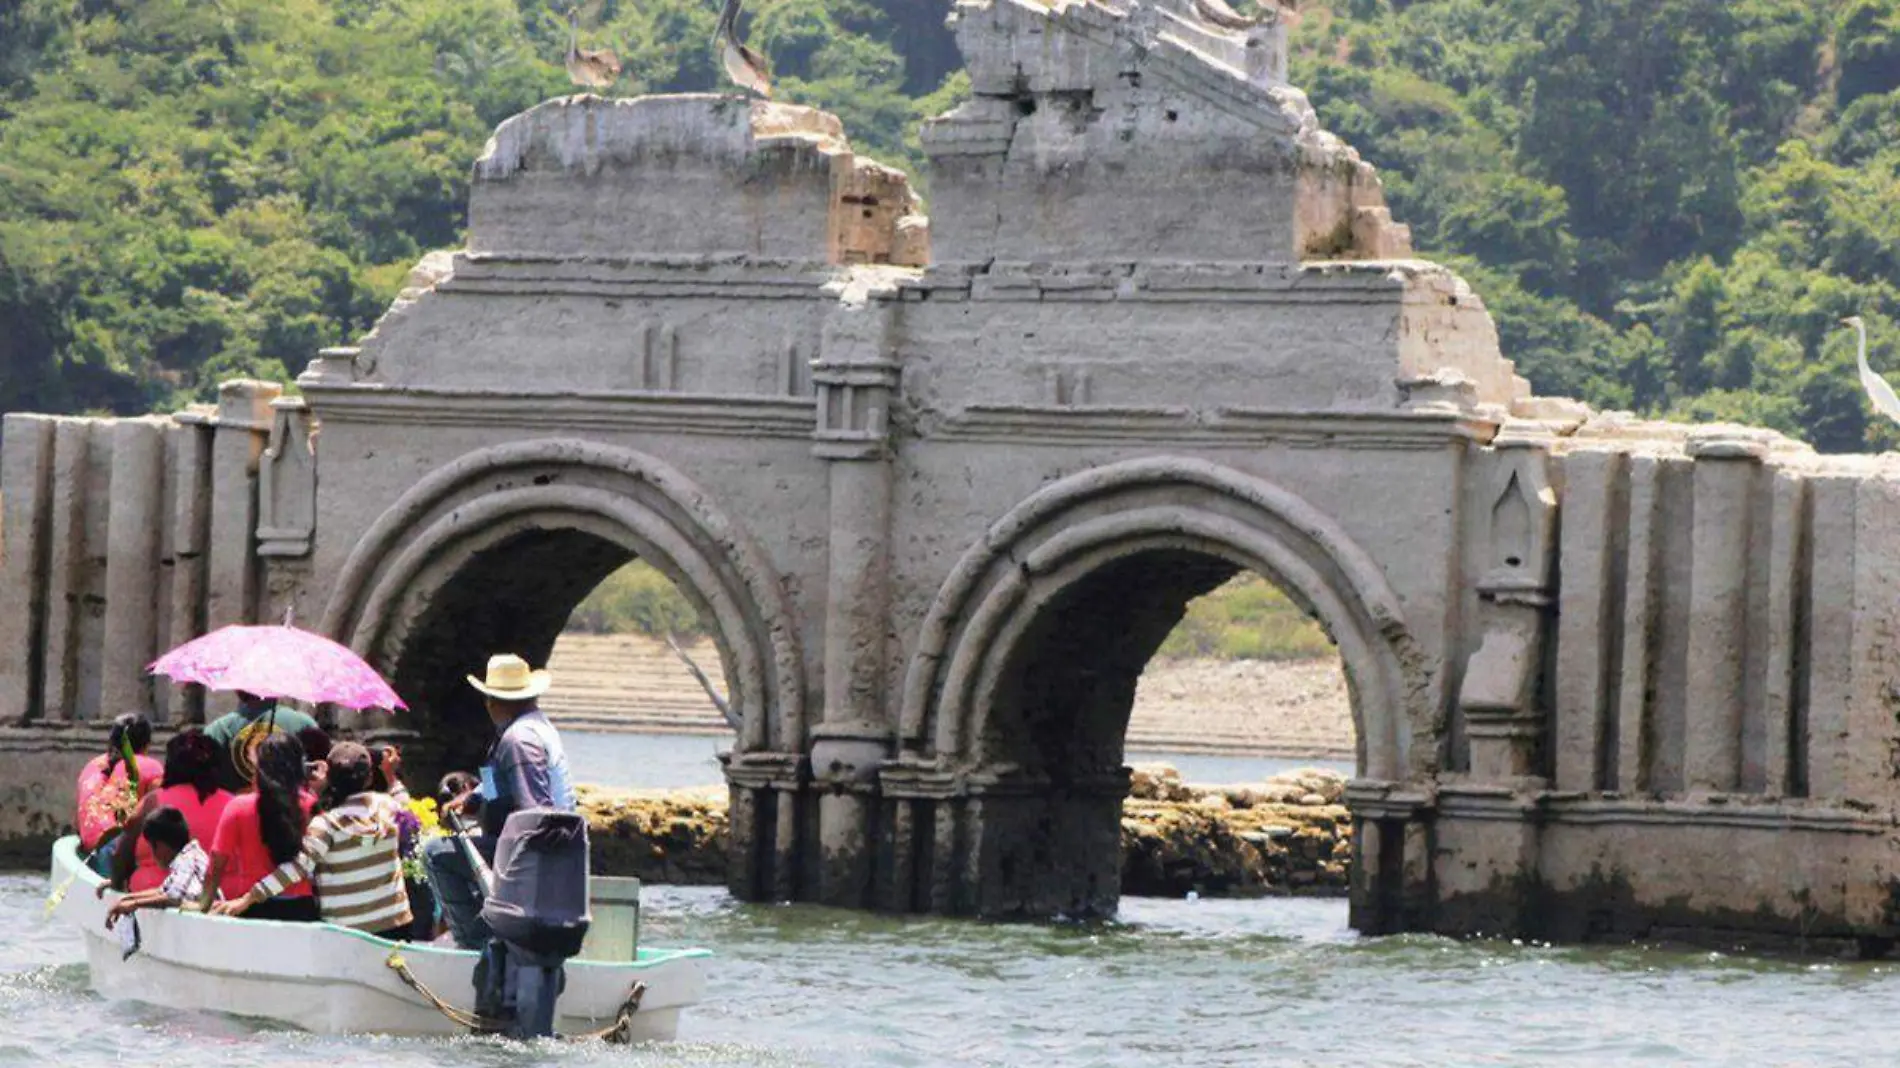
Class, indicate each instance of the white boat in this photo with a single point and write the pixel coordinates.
(333, 980)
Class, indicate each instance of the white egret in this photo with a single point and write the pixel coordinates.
(1878, 391)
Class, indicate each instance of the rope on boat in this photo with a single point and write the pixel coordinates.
(620, 1032)
(467, 1019)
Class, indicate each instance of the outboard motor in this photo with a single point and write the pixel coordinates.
(538, 912)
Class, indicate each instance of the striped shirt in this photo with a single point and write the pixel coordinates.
(350, 855)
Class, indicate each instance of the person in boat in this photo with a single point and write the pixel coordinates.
(262, 829)
(527, 768)
(239, 733)
(350, 855)
(111, 786)
(316, 764)
(190, 787)
(167, 833)
(388, 761)
(463, 786)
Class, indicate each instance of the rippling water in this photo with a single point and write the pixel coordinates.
(1175, 983)
(1280, 983)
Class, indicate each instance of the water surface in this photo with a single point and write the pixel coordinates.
(1281, 983)
(1175, 983)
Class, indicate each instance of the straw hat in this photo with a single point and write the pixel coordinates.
(510, 679)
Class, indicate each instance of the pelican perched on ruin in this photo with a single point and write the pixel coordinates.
(745, 67)
(597, 70)
(1217, 13)
(1878, 391)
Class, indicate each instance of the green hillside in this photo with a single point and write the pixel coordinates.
(1667, 204)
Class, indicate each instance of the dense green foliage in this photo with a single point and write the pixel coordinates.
(1667, 204)
(192, 190)
(637, 600)
(1246, 619)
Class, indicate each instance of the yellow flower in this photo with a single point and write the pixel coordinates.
(428, 820)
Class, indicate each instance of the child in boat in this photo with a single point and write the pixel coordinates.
(388, 761)
(186, 864)
(350, 855)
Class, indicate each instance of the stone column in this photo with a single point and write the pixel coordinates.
(232, 579)
(856, 388)
(67, 563)
(189, 449)
(26, 471)
(134, 521)
(1727, 469)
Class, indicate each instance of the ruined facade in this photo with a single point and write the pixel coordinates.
(944, 485)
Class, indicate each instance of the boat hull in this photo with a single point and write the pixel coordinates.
(331, 980)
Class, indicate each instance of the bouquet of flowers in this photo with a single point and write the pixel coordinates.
(416, 823)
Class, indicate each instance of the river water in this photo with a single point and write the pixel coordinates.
(1280, 983)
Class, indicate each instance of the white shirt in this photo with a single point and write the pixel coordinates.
(185, 878)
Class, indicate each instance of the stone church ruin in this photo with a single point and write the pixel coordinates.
(944, 484)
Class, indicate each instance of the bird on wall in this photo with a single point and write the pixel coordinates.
(596, 70)
(1217, 13)
(745, 67)
(1877, 388)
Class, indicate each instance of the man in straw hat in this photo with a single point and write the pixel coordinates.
(527, 768)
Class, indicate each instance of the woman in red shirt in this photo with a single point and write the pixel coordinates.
(106, 794)
(264, 828)
(191, 787)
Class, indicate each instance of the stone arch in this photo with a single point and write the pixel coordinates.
(574, 510)
(1072, 529)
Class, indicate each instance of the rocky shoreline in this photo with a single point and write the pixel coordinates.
(1288, 835)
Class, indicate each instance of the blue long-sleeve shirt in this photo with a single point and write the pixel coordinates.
(526, 769)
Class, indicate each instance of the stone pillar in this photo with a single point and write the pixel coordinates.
(1500, 695)
(1594, 492)
(1392, 880)
(1727, 469)
(1641, 605)
(856, 388)
(189, 451)
(232, 578)
(66, 560)
(26, 472)
(134, 521)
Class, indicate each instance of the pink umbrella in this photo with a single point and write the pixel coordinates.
(278, 661)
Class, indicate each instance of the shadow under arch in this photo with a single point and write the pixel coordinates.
(1025, 670)
(492, 551)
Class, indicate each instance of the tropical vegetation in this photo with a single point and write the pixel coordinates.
(1668, 205)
